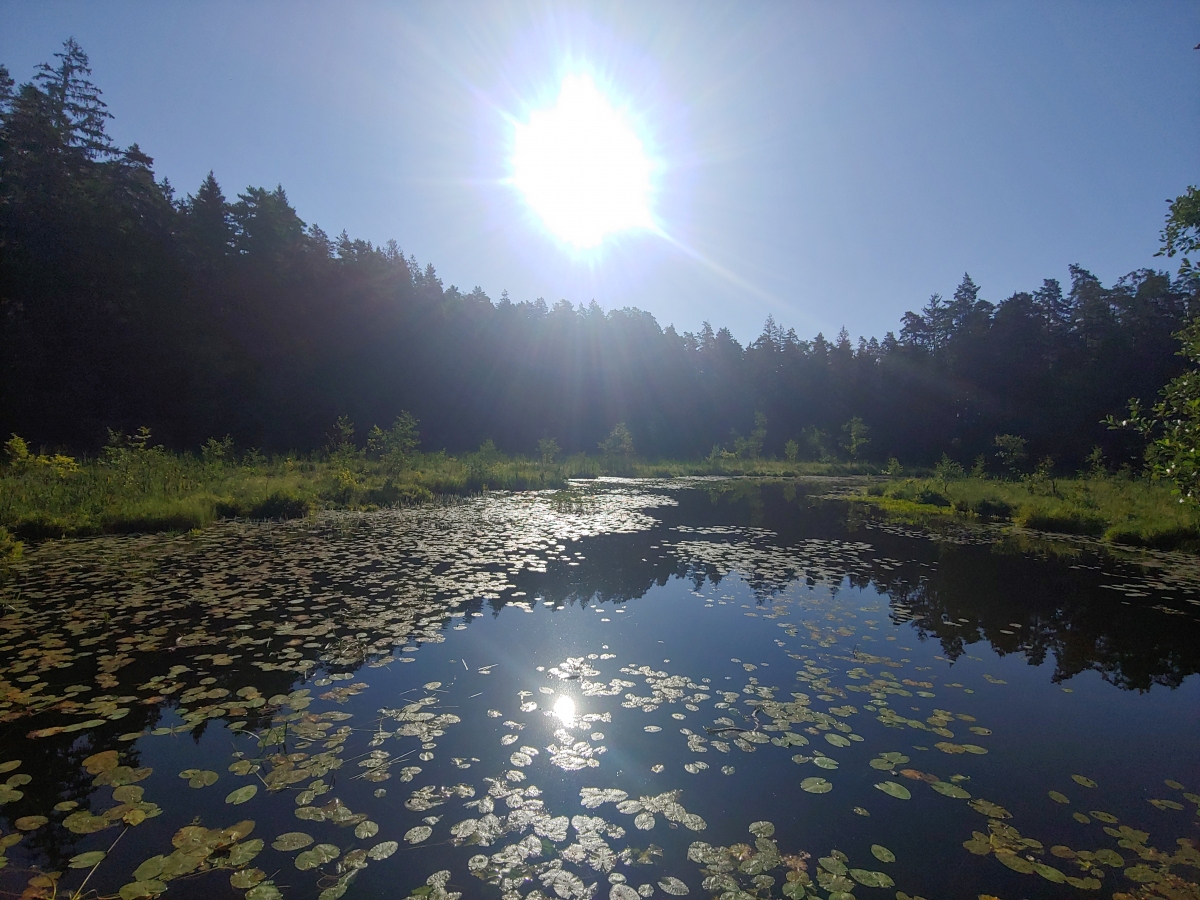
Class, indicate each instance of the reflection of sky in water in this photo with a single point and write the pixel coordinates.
(684, 667)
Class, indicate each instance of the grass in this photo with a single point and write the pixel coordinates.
(137, 488)
(1132, 511)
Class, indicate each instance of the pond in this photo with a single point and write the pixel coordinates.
(627, 689)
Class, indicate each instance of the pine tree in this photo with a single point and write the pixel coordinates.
(76, 109)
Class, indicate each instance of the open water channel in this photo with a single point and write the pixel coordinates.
(628, 689)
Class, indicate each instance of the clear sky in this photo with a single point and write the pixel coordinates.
(829, 163)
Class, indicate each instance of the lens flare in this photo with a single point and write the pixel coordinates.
(564, 709)
(582, 167)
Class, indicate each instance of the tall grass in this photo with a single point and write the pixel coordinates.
(1121, 509)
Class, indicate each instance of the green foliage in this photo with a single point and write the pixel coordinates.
(750, 447)
(856, 432)
(1172, 426)
(395, 447)
(619, 442)
(548, 449)
(791, 451)
(1010, 451)
(10, 548)
(947, 470)
(819, 445)
(21, 460)
(894, 469)
(1138, 512)
(1181, 233)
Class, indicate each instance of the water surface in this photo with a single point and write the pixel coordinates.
(626, 689)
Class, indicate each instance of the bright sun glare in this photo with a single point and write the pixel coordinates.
(581, 166)
(564, 709)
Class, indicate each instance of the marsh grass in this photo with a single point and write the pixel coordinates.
(1134, 511)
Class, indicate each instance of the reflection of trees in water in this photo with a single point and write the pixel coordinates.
(974, 594)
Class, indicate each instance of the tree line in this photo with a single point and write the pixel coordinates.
(124, 304)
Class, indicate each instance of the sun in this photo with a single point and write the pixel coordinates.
(582, 167)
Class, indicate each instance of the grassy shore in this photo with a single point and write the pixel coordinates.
(138, 488)
(1117, 508)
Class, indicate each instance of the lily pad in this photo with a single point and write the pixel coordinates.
(892, 789)
(318, 855)
(418, 834)
(762, 829)
(673, 886)
(1059, 797)
(383, 850)
(949, 789)
(86, 860)
(246, 878)
(292, 840)
(816, 786)
(198, 778)
(242, 794)
(1083, 780)
(872, 879)
(882, 853)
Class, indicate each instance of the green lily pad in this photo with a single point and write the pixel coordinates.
(872, 879)
(246, 878)
(1059, 797)
(892, 789)
(292, 840)
(198, 778)
(816, 786)
(762, 829)
(318, 855)
(383, 850)
(1084, 780)
(242, 794)
(137, 890)
(989, 809)
(882, 853)
(948, 789)
(264, 891)
(86, 860)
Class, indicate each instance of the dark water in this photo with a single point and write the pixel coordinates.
(457, 700)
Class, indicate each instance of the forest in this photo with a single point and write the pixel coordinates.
(199, 315)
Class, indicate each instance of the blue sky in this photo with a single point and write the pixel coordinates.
(831, 164)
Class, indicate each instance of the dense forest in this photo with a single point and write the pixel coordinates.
(123, 304)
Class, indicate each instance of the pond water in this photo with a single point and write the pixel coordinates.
(627, 689)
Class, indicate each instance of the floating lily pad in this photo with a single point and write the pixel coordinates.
(1083, 780)
(246, 878)
(417, 835)
(318, 855)
(762, 829)
(872, 879)
(949, 789)
(1059, 797)
(198, 778)
(892, 789)
(30, 823)
(883, 854)
(383, 850)
(86, 860)
(292, 840)
(989, 809)
(242, 794)
(673, 886)
(816, 786)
